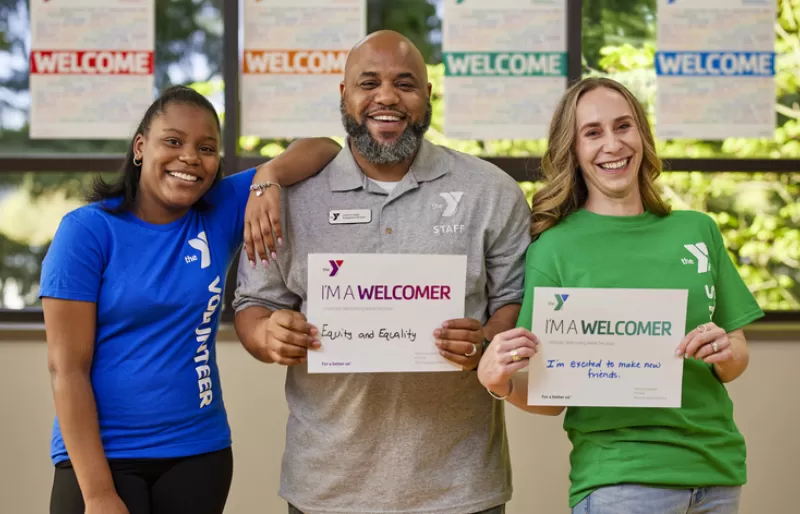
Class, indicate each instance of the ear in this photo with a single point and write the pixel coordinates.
(430, 91)
(341, 89)
(138, 145)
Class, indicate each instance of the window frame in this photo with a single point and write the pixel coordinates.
(520, 168)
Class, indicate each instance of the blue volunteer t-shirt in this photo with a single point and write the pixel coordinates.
(159, 292)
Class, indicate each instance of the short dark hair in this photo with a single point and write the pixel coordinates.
(126, 185)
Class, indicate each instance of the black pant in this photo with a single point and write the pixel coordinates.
(193, 485)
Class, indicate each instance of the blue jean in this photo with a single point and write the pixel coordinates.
(639, 499)
(496, 510)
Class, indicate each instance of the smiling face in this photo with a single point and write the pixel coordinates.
(180, 158)
(608, 144)
(386, 99)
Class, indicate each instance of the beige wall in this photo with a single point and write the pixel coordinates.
(767, 411)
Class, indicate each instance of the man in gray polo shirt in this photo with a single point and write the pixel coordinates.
(392, 442)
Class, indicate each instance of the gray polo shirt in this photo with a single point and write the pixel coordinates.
(397, 442)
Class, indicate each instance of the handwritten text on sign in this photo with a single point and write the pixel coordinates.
(377, 312)
(607, 347)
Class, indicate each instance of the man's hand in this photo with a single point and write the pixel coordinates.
(288, 337)
(460, 341)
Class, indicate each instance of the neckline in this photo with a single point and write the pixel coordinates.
(160, 227)
(627, 221)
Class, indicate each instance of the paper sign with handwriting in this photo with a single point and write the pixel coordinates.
(607, 347)
(377, 312)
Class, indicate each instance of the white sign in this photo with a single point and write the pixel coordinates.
(91, 67)
(607, 347)
(505, 67)
(377, 312)
(294, 57)
(715, 69)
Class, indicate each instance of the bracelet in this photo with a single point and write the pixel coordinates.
(510, 390)
(261, 186)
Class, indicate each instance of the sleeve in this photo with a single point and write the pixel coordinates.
(263, 287)
(231, 196)
(73, 266)
(735, 304)
(533, 278)
(505, 259)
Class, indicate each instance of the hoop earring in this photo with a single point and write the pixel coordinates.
(137, 164)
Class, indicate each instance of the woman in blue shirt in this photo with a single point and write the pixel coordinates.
(132, 289)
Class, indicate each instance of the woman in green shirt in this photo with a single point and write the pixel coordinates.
(599, 222)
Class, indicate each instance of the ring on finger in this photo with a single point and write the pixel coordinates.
(515, 355)
(714, 346)
(473, 352)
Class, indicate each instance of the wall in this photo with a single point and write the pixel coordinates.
(765, 398)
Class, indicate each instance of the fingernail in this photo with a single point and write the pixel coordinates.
(678, 351)
(445, 325)
(265, 262)
(253, 264)
(314, 331)
(316, 344)
(280, 241)
(437, 332)
(274, 256)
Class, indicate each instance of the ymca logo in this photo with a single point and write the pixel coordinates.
(335, 216)
(200, 243)
(700, 252)
(451, 200)
(560, 300)
(335, 265)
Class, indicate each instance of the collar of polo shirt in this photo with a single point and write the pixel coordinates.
(428, 165)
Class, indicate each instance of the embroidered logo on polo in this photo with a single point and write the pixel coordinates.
(449, 209)
(451, 202)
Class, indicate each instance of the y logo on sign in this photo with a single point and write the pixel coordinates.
(560, 299)
(700, 251)
(335, 265)
(452, 200)
(201, 243)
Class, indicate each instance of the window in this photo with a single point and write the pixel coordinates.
(188, 50)
(32, 205)
(756, 210)
(619, 39)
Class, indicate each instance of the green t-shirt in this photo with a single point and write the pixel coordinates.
(693, 446)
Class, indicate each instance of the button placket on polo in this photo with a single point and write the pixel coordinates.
(388, 229)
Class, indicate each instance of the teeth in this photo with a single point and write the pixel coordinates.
(614, 165)
(386, 118)
(183, 176)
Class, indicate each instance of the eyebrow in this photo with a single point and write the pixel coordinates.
(597, 124)
(182, 133)
(374, 74)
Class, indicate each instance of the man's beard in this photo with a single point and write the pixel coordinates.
(389, 153)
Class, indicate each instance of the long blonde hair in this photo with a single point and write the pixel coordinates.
(565, 190)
